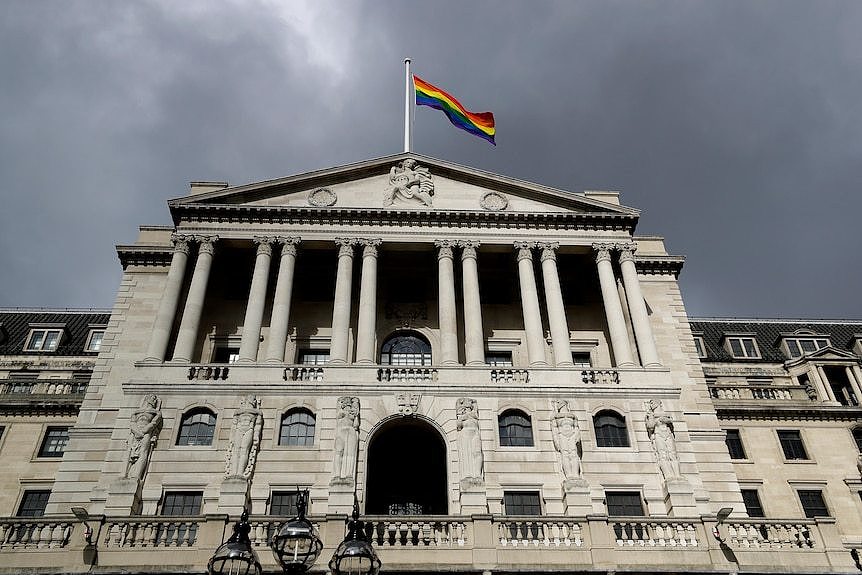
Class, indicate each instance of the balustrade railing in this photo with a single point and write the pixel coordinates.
(263, 528)
(417, 531)
(303, 373)
(44, 387)
(654, 533)
(539, 532)
(510, 375)
(600, 376)
(21, 533)
(151, 532)
(769, 535)
(407, 374)
(759, 392)
(208, 372)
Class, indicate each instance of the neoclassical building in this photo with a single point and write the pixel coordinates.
(501, 374)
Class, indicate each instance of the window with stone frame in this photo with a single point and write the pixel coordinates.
(700, 346)
(742, 347)
(516, 429)
(610, 429)
(813, 503)
(792, 445)
(798, 346)
(409, 349)
(33, 503)
(182, 503)
(582, 359)
(297, 428)
(857, 438)
(624, 503)
(733, 440)
(43, 339)
(197, 427)
(522, 503)
(312, 356)
(751, 500)
(283, 503)
(94, 340)
(54, 441)
(498, 358)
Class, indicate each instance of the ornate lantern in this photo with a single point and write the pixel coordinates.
(236, 556)
(296, 545)
(355, 555)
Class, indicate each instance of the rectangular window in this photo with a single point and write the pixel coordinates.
(33, 503)
(522, 503)
(799, 346)
(283, 503)
(700, 346)
(791, 444)
(313, 356)
(54, 442)
(43, 340)
(94, 341)
(499, 358)
(813, 503)
(743, 347)
(182, 503)
(582, 359)
(752, 503)
(225, 354)
(624, 504)
(733, 440)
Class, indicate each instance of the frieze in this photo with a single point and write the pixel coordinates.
(730, 371)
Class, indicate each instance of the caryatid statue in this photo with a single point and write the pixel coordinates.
(567, 439)
(244, 438)
(144, 427)
(659, 427)
(471, 460)
(346, 441)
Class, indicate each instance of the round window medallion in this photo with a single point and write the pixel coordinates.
(494, 201)
(322, 197)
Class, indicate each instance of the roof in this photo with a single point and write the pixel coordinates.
(15, 327)
(768, 334)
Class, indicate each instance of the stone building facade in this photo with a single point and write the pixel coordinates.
(502, 375)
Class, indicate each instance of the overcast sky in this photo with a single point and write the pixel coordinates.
(735, 126)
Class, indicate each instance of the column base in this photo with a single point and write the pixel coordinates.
(538, 364)
(337, 362)
(153, 360)
(180, 360)
(364, 362)
(476, 362)
(274, 360)
(233, 495)
(627, 364)
(246, 360)
(654, 364)
(566, 364)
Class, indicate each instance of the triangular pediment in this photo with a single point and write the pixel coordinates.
(825, 354)
(432, 185)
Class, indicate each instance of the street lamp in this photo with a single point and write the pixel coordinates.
(355, 555)
(297, 546)
(236, 556)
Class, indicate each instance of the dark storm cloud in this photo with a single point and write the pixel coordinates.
(734, 126)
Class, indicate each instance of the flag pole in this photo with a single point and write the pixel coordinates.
(407, 127)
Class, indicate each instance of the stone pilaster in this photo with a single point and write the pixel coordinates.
(188, 332)
(170, 299)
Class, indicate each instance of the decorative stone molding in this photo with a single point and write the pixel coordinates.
(288, 244)
(494, 201)
(603, 251)
(207, 244)
(524, 250)
(468, 249)
(444, 248)
(406, 313)
(549, 250)
(627, 251)
(144, 427)
(264, 244)
(181, 242)
(369, 246)
(244, 439)
(408, 403)
(322, 197)
(409, 182)
(345, 246)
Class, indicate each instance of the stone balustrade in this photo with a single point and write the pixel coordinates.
(539, 532)
(22, 533)
(303, 373)
(510, 375)
(417, 531)
(407, 374)
(770, 535)
(152, 532)
(600, 376)
(744, 391)
(655, 533)
(209, 372)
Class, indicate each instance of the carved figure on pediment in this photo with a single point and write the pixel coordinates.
(409, 182)
(244, 438)
(346, 441)
(567, 439)
(471, 460)
(659, 427)
(144, 427)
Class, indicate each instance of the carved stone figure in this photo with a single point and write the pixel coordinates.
(567, 439)
(409, 182)
(244, 438)
(471, 461)
(659, 427)
(346, 441)
(407, 403)
(144, 427)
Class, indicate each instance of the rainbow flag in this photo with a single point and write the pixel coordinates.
(480, 124)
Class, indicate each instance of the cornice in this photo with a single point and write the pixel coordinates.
(788, 412)
(659, 265)
(254, 214)
(42, 405)
(145, 255)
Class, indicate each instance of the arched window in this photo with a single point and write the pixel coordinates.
(610, 429)
(515, 429)
(857, 437)
(197, 427)
(297, 428)
(406, 348)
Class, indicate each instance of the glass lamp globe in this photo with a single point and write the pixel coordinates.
(236, 556)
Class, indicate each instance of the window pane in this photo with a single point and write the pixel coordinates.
(522, 503)
(793, 348)
(624, 503)
(750, 349)
(313, 356)
(36, 339)
(499, 358)
(734, 444)
(813, 503)
(51, 339)
(581, 359)
(752, 503)
(283, 503)
(33, 503)
(736, 348)
(182, 503)
(857, 437)
(407, 350)
(515, 430)
(807, 345)
(791, 444)
(197, 428)
(95, 341)
(610, 430)
(54, 443)
(297, 429)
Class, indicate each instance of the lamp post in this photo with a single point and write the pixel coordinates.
(296, 545)
(236, 556)
(355, 555)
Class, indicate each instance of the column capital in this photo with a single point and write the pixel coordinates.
(345, 246)
(369, 246)
(627, 251)
(468, 249)
(264, 244)
(444, 248)
(207, 244)
(288, 244)
(603, 250)
(525, 250)
(549, 250)
(181, 242)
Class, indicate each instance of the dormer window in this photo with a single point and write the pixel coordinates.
(799, 346)
(94, 340)
(43, 339)
(742, 347)
(700, 346)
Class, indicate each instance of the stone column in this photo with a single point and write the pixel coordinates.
(341, 304)
(170, 299)
(824, 382)
(854, 383)
(250, 342)
(556, 308)
(613, 307)
(530, 303)
(474, 336)
(637, 307)
(281, 304)
(367, 326)
(446, 303)
(188, 333)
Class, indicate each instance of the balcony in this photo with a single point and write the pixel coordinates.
(460, 543)
(760, 393)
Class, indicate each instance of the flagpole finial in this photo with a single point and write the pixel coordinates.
(407, 60)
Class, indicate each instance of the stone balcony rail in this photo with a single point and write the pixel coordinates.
(44, 387)
(208, 372)
(407, 374)
(303, 373)
(510, 375)
(744, 391)
(465, 543)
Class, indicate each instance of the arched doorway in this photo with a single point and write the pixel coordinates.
(406, 470)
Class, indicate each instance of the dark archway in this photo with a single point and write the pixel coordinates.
(406, 470)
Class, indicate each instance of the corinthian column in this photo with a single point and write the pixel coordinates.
(637, 307)
(341, 304)
(556, 308)
(250, 342)
(367, 326)
(170, 298)
(474, 340)
(613, 307)
(281, 303)
(530, 303)
(446, 302)
(188, 333)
